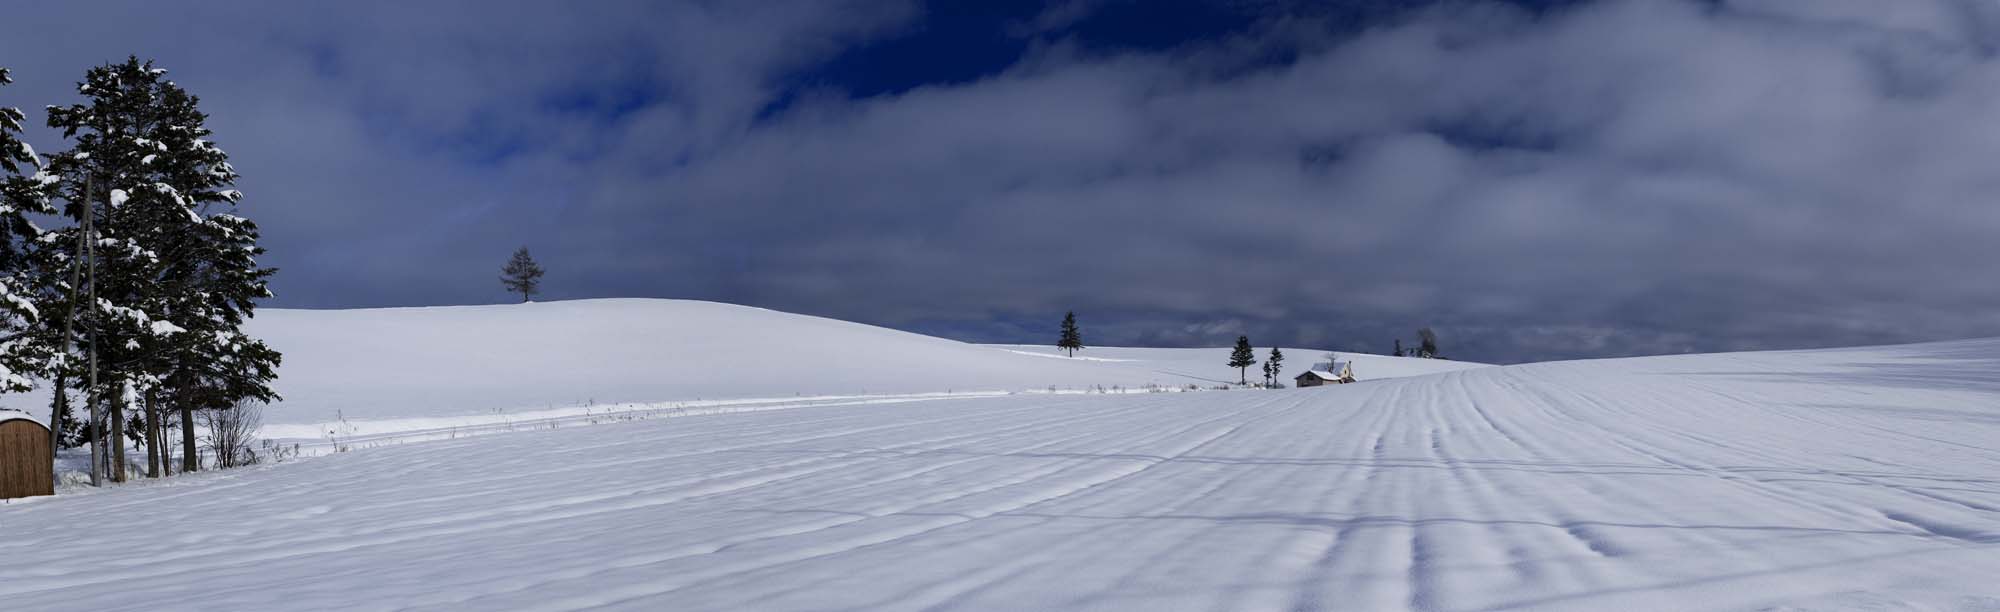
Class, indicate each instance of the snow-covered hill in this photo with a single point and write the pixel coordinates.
(1845, 479)
(417, 368)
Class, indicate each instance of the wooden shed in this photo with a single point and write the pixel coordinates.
(26, 466)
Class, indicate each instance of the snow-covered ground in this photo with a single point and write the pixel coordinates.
(1208, 366)
(446, 370)
(1844, 479)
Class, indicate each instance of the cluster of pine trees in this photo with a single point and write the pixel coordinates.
(132, 305)
(1243, 356)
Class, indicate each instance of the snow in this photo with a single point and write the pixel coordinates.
(15, 301)
(8, 414)
(1206, 364)
(118, 197)
(391, 369)
(1842, 479)
(1322, 375)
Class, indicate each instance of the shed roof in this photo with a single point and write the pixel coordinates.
(10, 414)
(1320, 374)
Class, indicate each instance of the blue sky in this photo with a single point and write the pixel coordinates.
(1536, 180)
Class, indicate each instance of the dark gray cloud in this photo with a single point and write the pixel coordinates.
(1618, 177)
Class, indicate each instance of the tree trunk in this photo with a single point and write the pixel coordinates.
(61, 405)
(153, 458)
(86, 240)
(166, 450)
(152, 452)
(102, 443)
(118, 433)
(190, 458)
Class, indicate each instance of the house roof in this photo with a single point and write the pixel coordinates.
(9, 414)
(1328, 370)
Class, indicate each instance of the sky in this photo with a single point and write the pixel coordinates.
(1534, 180)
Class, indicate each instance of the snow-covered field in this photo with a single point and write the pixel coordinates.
(1208, 366)
(441, 371)
(1845, 479)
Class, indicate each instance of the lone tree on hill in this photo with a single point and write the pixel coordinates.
(522, 275)
(1241, 358)
(1399, 347)
(1429, 348)
(1276, 363)
(1072, 340)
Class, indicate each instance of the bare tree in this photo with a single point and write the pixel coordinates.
(231, 430)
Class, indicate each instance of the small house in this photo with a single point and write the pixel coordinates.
(1334, 373)
(27, 468)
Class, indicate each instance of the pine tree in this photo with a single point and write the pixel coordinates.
(168, 272)
(1071, 340)
(522, 275)
(25, 349)
(1429, 348)
(22, 354)
(1399, 347)
(1241, 358)
(1276, 362)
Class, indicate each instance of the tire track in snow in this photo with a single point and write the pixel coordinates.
(1052, 492)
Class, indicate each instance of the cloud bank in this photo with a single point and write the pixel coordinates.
(1604, 178)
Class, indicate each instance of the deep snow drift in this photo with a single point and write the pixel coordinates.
(1865, 478)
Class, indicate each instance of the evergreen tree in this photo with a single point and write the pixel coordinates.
(1071, 340)
(22, 353)
(1429, 347)
(25, 349)
(1276, 363)
(1399, 347)
(522, 275)
(169, 273)
(1241, 358)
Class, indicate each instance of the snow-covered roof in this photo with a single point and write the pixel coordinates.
(1328, 370)
(10, 414)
